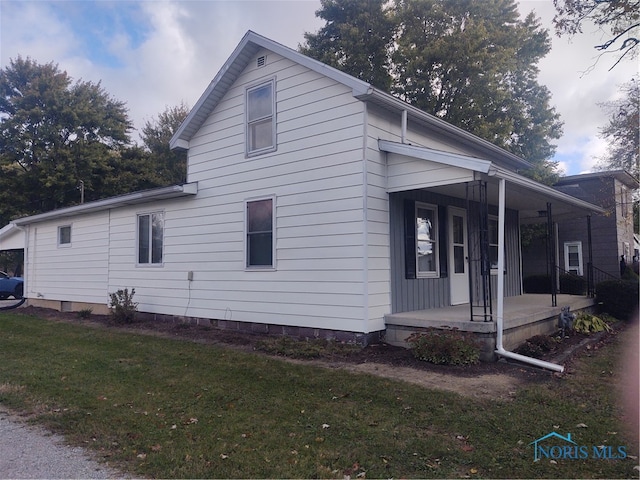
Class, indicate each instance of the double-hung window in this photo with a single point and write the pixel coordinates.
(426, 240)
(259, 231)
(64, 236)
(150, 238)
(260, 115)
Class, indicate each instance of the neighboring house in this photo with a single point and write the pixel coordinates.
(315, 204)
(612, 235)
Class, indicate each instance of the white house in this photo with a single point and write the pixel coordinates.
(315, 204)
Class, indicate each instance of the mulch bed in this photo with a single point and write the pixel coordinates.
(571, 346)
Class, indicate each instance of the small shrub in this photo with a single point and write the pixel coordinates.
(85, 313)
(587, 323)
(123, 308)
(618, 298)
(444, 347)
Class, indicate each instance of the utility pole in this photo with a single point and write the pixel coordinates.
(81, 188)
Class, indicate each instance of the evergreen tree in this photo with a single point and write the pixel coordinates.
(356, 39)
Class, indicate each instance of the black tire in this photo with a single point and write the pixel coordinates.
(17, 294)
(4, 296)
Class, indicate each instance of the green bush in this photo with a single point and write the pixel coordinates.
(618, 298)
(444, 347)
(587, 323)
(85, 313)
(123, 308)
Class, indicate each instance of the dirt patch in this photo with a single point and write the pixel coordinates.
(498, 380)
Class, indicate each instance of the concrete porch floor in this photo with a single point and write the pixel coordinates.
(524, 316)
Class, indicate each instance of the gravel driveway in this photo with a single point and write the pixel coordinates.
(31, 452)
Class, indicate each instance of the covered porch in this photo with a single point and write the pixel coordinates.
(523, 317)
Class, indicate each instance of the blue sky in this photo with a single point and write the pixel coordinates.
(154, 54)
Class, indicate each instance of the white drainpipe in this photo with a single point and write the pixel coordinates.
(500, 310)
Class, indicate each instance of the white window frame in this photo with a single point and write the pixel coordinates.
(247, 265)
(434, 241)
(249, 124)
(62, 244)
(149, 262)
(568, 267)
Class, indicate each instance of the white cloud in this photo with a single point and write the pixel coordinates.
(578, 81)
(181, 46)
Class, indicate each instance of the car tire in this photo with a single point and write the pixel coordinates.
(4, 296)
(17, 294)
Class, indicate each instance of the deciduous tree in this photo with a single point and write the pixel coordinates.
(619, 20)
(54, 133)
(170, 167)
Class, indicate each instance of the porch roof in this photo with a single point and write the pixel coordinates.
(527, 196)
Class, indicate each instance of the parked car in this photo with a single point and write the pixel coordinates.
(11, 286)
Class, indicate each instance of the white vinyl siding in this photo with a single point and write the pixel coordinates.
(77, 274)
(316, 175)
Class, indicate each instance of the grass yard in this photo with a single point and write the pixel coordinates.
(168, 408)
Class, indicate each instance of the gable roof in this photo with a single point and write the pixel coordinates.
(251, 43)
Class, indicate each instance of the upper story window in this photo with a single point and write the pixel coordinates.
(150, 238)
(259, 229)
(260, 115)
(64, 236)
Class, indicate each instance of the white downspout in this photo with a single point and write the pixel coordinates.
(26, 259)
(403, 135)
(500, 309)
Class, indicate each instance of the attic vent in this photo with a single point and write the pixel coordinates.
(262, 60)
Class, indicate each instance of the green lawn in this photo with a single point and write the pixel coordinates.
(174, 409)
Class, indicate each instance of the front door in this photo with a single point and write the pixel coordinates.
(458, 256)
